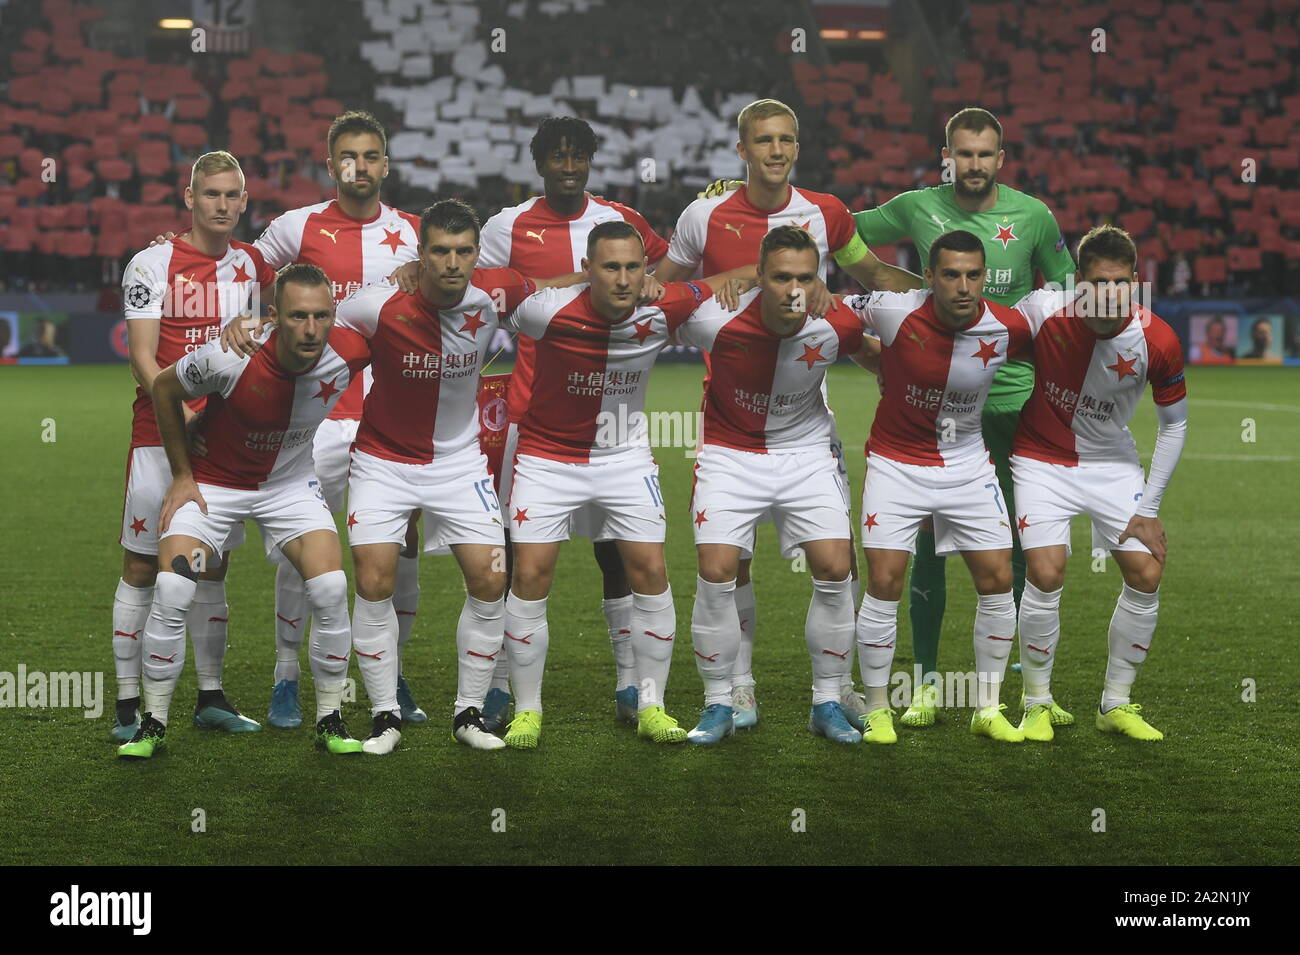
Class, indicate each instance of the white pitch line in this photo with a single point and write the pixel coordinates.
(1215, 402)
(1271, 458)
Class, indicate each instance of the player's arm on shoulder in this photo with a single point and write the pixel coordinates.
(359, 311)
(280, 241)
(531, 316)
(871, 273)
(1039, 305)
(169, 402)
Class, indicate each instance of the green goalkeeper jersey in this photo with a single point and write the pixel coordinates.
(1020, 237)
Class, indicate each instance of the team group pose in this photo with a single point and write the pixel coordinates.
(365, 382)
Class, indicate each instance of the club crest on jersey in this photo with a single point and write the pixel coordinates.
(494, 416)
(332, 236)
(1005, 235)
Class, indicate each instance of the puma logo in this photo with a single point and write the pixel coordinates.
(536, 235)
(332, 236)
(939, 222)
(735, 228)
(918, 339)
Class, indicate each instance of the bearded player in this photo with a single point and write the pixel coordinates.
(177, 297)
(417, 451)
(546, 237)
(766, 453)
(1074, 454)
(257, 465)
(927, 459)
(595, 349)
(719, 233)
(1020, 238)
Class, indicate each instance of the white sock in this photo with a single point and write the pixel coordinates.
(207, 624)
(374, 637)
(742, 672)
(995, 631)
(501, 675)
(715, 635)
(527, 638)
(877, 632)
(291, 619)
(1040, 631)
(855, 587)
(164, 642)
(479, 634)
(406, 601)
(1131, 629)
(654, 630)
(828, 631)
(618, 618)
(331, 639)
(130, 611)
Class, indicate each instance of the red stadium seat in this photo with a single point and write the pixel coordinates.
(1210, 268)
(113, 170)
(1245, 259)
(153, 193)
(154, 159)
(189, 136)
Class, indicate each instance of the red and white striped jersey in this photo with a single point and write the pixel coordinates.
(533, 239)
(1087, 386)
(722, 233)
(193, 296)
(591, 375)
(261, 418)
(423, 404)
(765, 390)
(936, 379)
(354, 253)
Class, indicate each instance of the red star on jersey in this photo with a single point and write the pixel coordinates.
(1123, 366)
(392, 239)
(871, 521)
(1006, 236)
(806, 226)
(473, 323)
(327, 390)
(352, 520)
(1024, 522)
(137, 525)
(987, 350)
(811, 355)
(521, 516)
(642, 331)
(240, 274)
(700, 518)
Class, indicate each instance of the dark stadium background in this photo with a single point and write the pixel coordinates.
(1155, 133)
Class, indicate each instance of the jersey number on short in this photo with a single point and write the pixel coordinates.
(487, 494)
(656, 495)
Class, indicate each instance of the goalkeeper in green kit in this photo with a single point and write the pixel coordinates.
(1020, 237)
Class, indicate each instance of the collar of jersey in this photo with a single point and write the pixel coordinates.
(573, 218)
(343, 215)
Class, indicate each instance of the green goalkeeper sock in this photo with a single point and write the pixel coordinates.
(927, 597)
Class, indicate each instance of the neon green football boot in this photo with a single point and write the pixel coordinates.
(924, 707)
(879, 726)
(1127, 720)
(525, 730)
(991, 723)
(657, 726)
(332, 735)
(1036, 724)
(148, 739)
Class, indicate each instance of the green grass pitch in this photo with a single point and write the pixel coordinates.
(1219, 789)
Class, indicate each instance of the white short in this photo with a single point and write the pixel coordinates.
(454, 493)
(331, 451)
(800, 490)
(620, 494)
(148, 476)
(1049, 495)
(837, 450)
(964, 499)
(283, 512)
(585, 522)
